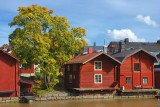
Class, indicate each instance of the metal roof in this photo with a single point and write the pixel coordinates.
(125, 54)
(84, 58)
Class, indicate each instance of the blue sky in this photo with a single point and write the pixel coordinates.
(112, 20)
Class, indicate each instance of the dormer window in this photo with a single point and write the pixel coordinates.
(98, 65)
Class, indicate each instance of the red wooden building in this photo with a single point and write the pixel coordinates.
(157, 73)
(26, 80)
(96, 71)
(137, 69)
(9, 75)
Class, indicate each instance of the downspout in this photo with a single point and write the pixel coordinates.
(132, 70)
(80, 65)
(16, 91)
(114, 72)
(18, 78)
(153, 83)
(19, 72)
(140, 69)
(118, 67)
(15, 79)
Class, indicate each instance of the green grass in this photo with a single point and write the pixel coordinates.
(43, 91)
(49, 91)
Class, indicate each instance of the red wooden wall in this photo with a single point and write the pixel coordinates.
(84, 74)
(87, 73)
(146, 70)
(8, 75)
(75, 72)
(29, 70)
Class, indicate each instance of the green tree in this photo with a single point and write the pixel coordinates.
(4, 46)
(46, 40)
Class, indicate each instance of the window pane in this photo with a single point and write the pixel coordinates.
(98, 78)
(70, 78)
(74, 67)
(145, 80)
(98, 65)
(136, 67)
(128, 80)
(68, 68)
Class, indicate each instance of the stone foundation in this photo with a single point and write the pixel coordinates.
(66, 96)
(8, 99)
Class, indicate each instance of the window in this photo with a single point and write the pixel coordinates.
(145, 80)
(68, 67)
(74, 67)
(74, 77)
(128, 80)
(97, 78)
(136, 67)
(20, 65)
(98, 65)
(70, 78)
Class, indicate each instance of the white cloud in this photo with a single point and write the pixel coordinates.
(124, 33)
(147, 20)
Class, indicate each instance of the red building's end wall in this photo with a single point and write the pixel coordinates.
(146, 70)
(8, 75)
(87, 73)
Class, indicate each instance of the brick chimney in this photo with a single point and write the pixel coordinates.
(90, 50)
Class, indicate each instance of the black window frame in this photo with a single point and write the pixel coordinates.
(136, 67)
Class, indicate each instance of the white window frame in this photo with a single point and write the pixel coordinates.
(20, 65)
(145, 80)
(95, 65)
(97, 82)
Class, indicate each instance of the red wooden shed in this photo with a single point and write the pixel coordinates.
(9, 75)
(137, 69)
(95, 71)
(26, 80)
(157, 73)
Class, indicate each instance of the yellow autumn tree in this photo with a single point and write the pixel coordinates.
(46, 40)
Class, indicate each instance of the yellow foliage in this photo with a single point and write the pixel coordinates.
(43, 39)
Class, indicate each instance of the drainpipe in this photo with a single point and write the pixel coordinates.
(132, 71)
(140, 69)
(18, 78)
(153, 76)
(17, 91)
(15, 79)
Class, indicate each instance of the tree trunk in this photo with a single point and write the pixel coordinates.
(45, 80)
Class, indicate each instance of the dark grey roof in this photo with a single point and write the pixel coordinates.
(125, 54)
(95, 48)
(149, 46)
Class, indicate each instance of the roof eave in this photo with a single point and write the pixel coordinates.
(141, 49)
(92, 58)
